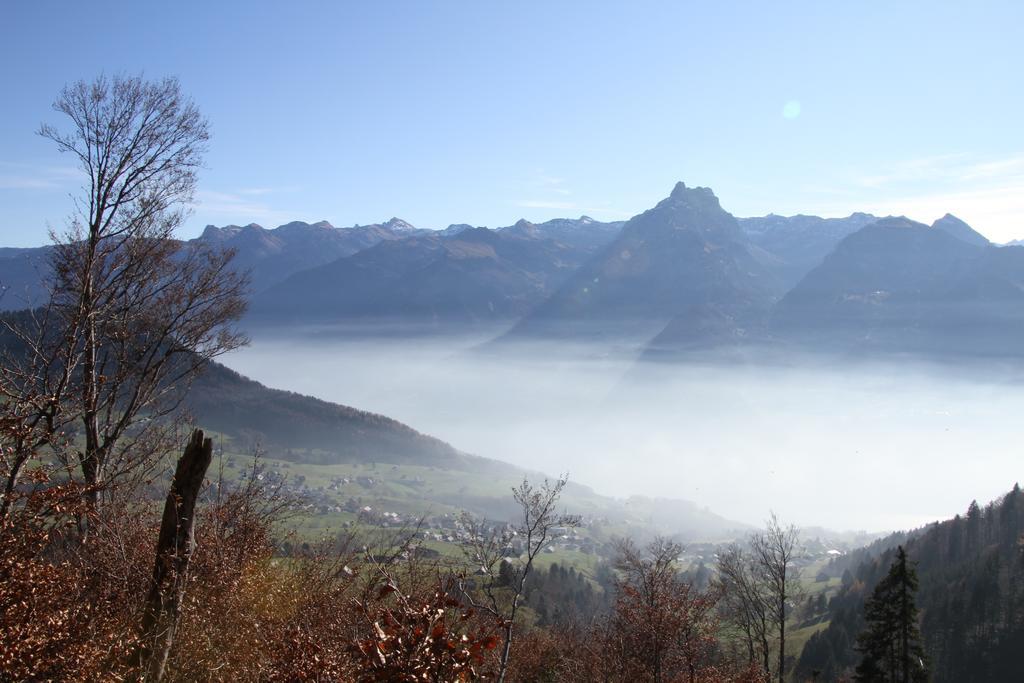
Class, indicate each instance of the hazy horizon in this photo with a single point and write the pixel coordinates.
(866, 446)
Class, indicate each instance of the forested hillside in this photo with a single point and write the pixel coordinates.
(971, 596)
(305, 429)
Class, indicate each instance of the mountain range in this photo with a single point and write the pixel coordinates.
(681, 276)
(24, 274)
(792, 246)
(271, 256)
(472, 274)
(900, 285)
(686, 254)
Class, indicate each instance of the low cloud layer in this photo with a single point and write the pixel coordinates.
(859, 446)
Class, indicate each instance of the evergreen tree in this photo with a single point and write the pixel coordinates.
(891, 641)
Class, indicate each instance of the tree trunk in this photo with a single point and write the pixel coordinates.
(92, 464)
(12, 483)
(173, 552)
(766, 652)
(782, 634)
(506, 650)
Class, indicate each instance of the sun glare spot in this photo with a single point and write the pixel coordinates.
(791, 110)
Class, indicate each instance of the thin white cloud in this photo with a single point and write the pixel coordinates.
(239, 207)
(547, 184)
(22, 176)
(946, 168)
(993, 169)
(996, 212)
(15, 182)
(261, 191)
(987, 192)
(914, 170)
(544, 179)
(546, 204)
(572, 207)
(550, 192)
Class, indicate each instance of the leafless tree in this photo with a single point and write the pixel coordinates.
(744, 602)
(133, 314)
(758, 587)
(486, 548)
(774, 551)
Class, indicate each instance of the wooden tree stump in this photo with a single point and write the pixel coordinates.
(170, 571)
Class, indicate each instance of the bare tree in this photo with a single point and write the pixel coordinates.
(745, 603)
(774, 551)
(758, 586)
(133, 314)
(487, 546)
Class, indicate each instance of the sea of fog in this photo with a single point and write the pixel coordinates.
(845, 445)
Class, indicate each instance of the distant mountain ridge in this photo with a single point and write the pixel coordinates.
(796, 244)
(685, 254)
(582, 233)
(271, 256)
(471, 274)
(684, 275)
(900, 285)
(24, 274)
(957, 228)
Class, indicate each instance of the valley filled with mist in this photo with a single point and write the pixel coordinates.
(845, 443)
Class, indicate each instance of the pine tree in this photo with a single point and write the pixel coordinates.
(891, 641)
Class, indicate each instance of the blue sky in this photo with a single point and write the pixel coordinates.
(478, 112)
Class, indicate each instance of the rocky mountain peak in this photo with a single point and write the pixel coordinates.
(398, 224)
(957, 228)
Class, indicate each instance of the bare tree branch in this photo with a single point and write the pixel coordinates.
(133, 314)
(486, 546)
